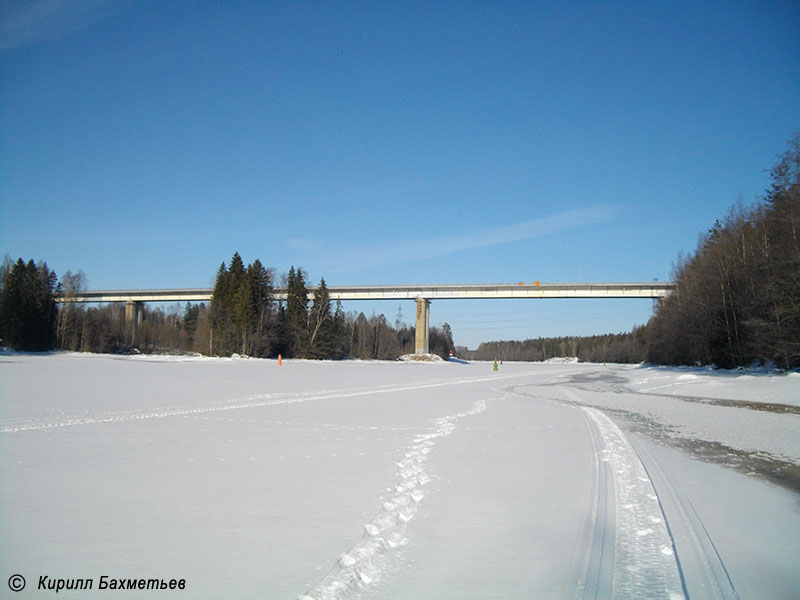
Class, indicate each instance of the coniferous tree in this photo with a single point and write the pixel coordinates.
(297, 313)
(27, 307)
(362, 344)
(320, 324)
(191, 318)
(245, 311)
(220, 317)
(263, 335)
(243, 317)
(280, 332)
(440, 340)
(225, 310)
(340, 334)
(236, 269)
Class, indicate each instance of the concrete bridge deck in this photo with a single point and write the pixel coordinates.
(404, 292)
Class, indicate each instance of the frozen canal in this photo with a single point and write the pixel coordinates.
(397, 481)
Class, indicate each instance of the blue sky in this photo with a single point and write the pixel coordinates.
(145, 142)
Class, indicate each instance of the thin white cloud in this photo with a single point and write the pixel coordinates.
(526, 230)
(411, 250)
(29, 22)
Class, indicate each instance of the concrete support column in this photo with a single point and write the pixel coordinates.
(423, 326)
(133, 313)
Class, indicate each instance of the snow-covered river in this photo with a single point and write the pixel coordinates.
(322, 480)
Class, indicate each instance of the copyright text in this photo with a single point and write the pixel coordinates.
(107, 582)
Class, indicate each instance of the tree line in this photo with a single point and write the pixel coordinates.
(244, 317)
(613, 347)
(737, 298)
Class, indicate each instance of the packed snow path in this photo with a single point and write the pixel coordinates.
(386, 480)
(644, 562)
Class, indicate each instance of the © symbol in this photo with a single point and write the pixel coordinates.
(16, 583)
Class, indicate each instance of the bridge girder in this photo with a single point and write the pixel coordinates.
(421, 294)
(405, 292)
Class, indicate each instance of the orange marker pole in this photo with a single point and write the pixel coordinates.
(280, 362)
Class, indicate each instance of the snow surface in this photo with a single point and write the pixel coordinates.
(747, 385)
(398, 480)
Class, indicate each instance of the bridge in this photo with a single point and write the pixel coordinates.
(421, 294)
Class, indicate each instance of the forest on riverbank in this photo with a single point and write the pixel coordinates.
(244, 317)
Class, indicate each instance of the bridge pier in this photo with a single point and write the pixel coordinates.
(133, 313)
(421, 345)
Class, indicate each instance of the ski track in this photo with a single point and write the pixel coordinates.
(593, 564)
(364, 563)
(645, 563)
(701, 565)
(255, 401)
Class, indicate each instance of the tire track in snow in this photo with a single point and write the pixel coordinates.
(255, 401)
(645, 564)
(364, 563)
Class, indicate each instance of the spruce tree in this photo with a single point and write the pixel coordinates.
(263, 334)
(27, 307)
(245, 314)
(280, 333)
(321, 324)
(191, 316)
(340, 337)
(236, 269)
(297, 313)
(219, 316)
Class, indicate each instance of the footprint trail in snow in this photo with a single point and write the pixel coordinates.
(364, 563)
